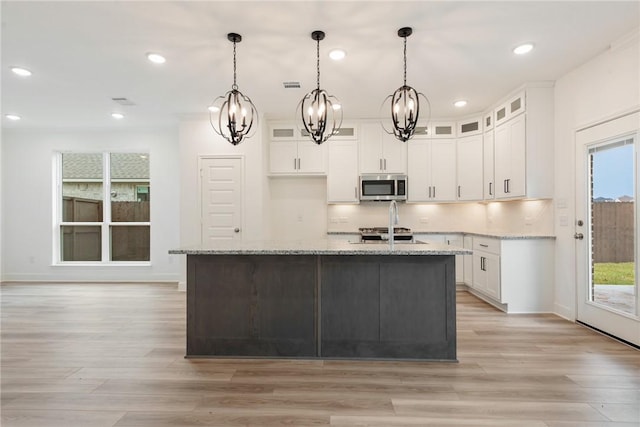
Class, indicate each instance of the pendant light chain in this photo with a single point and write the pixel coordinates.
(235, 86)
(318, 61)
(405, 60)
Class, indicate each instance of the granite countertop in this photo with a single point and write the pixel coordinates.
(504, 235)
(319, 247)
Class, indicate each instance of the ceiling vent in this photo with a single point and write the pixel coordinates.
(291, 85)
(123, 101)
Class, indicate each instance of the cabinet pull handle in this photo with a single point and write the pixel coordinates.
(458, 191)
(380, 164)
(509, 185)
(295, 163)
(429, 191)
(434, 191)
(504, 186)
(483, 245)
(385, 164)
(491, 189)
(299, 167)
(355, 192)
(482, 263)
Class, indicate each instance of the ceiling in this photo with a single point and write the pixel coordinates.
(83, 54)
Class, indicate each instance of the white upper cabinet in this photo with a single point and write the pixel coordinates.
(510, 159)
(290, 153)
(470, 127)
(431, 170)
(380, 152)
(488, 121)
(488, 174)
(523, 145)
(342, 177)
(512, 107)
(469, 167)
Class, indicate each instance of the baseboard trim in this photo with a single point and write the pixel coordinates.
(564, 312)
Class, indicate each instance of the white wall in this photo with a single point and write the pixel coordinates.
(598, 90)
(27, 227)
(298, 208)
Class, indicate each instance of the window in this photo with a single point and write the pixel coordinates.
(103, 213)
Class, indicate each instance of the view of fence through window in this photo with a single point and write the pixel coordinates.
(85, 182)
(613, 281)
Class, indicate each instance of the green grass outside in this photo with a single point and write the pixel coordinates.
(614, 273)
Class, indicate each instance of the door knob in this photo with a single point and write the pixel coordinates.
(578, 236)
(237, 230)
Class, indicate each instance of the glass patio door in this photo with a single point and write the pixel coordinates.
(606, 227)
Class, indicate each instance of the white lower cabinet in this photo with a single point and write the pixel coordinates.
(514, 274)
(486, 266)
(468, 262)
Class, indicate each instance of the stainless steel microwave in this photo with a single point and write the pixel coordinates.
(383, 187)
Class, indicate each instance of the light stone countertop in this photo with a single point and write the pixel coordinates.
(494, 234)
(319, 247)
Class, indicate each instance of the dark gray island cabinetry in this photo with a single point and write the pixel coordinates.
(321, 299)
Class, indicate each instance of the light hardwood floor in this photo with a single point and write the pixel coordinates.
(112, 355)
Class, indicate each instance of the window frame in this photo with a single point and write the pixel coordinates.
(106, 224)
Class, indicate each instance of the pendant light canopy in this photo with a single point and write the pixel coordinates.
(405, 102)
(321, 113)
(233, 116)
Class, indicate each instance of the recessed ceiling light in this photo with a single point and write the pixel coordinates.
(213, 108)
(156, 58)
(13, 117)
(460, 103)
(117, 116)
(337, 54)
(523, 48)
(23, 72)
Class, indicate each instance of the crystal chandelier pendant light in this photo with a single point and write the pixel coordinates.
(405, 102)
(321, 113)
(232, 115)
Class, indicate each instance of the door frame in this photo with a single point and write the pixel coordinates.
(240, 157)
(613, 322)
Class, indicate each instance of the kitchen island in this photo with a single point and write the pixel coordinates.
(329, 299)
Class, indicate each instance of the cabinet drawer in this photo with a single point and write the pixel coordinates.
(486, 244)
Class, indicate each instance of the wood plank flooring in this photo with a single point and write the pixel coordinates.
(112, 355)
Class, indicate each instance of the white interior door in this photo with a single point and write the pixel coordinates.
(606, 227)
(221, 198)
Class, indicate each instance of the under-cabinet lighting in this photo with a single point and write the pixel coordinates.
(13, 117)
(117, 116)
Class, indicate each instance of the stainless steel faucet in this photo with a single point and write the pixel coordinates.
(394, 218)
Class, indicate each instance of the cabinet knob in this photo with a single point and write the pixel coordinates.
(236, 230)
(578, 236)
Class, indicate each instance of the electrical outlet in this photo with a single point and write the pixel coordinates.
(299, 217)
